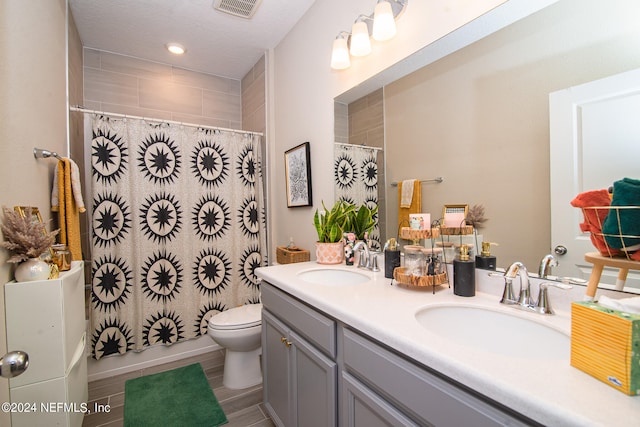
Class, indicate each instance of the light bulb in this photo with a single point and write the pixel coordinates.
(340, 54)
(384, 24)
(176, 49)
(360, 43)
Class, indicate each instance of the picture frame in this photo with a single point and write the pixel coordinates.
(35, 214)
(454, 215)
(297, 167)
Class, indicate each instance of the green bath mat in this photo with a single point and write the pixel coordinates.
(180, 397)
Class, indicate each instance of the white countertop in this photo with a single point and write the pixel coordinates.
(549, 391)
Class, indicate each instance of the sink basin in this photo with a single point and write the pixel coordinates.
(333, 276)
(494, 331)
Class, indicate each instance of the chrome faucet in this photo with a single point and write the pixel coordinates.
(545, 265)
(524, 301)
(524, 296)
(369, 260)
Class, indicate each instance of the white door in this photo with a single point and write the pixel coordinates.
(594, 141)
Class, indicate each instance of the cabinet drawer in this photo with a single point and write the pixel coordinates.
(421, 394)
(315, 327)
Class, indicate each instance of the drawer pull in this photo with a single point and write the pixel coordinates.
(285, 341)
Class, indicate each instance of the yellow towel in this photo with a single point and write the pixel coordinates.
(68, 211)
(415, 207)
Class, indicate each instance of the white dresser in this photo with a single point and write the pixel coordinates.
(46, 319)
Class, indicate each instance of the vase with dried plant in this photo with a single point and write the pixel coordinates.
(26, 239)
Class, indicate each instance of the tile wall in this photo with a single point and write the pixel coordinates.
(127, 85)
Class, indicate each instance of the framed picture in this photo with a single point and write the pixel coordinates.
(297, 169)
(35, 214)
(35, 217)
(454, 215)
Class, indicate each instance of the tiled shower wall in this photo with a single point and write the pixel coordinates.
(126, 85)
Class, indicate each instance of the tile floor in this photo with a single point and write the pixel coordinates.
(243, 408)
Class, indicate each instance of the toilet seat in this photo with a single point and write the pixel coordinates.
(246, 316)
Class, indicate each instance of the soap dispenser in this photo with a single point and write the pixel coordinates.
(485, 260)
(391, 257)
(464, 274)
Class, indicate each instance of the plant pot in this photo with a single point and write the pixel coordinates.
(32, 269)
(330, 253)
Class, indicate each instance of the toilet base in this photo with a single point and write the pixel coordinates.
(242, 369)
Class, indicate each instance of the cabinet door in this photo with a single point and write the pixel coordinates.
(315, 385)
(361, 407)
(276, 377)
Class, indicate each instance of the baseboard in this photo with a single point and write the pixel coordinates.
(132, 361)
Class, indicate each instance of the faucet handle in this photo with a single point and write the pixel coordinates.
(543, 305)
(373, 262)
(364, 262)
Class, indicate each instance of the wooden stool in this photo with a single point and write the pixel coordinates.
(599, 263)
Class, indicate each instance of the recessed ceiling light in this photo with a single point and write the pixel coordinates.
(176, 49)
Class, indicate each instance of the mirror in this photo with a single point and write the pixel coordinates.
(479, 117)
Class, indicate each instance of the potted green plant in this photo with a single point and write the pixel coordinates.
(361, 221)
(330, 225)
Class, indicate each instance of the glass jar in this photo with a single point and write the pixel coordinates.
(61, 257)
(433, 261)
(413, 260)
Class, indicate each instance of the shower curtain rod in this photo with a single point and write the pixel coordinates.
(128, 116)
(358, 146)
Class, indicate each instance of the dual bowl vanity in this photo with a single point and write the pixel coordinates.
(346, 345)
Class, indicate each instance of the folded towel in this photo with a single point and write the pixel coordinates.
(621, 227)
(75, 187)
(68, 210)
(415, 206)
(628, 305)
(406, 191)
(593, 218)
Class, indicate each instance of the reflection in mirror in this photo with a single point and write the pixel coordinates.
(479, 117)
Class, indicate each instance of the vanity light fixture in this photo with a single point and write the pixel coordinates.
(360, 43)
(380, 25)
(340, 55)
(384, 24)
(176, 48)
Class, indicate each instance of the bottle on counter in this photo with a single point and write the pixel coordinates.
(391, 257)
(464, 274)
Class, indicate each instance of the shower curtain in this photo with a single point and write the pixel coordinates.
(356, 180)
(177, 230)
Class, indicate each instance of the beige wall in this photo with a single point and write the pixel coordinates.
(126, 85)
(32, 113)
(480, 117)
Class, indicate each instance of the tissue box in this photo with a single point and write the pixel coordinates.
(605, 344)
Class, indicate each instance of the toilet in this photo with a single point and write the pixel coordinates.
(238, 330)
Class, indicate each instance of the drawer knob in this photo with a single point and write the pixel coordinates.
(285, 341)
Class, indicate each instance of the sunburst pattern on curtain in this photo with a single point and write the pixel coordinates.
(178, 229)
(356, 180)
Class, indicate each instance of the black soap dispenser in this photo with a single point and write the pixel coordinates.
(464, 274)
(485, 260)
(391, 257)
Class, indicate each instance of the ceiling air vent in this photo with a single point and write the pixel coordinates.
(241, 8)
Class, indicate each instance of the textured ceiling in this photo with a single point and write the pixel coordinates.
(216, 42)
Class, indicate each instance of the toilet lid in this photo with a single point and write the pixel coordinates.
(244, 316)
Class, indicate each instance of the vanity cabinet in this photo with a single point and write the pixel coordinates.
(300, 374)
(381, 388)
(319, 371)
